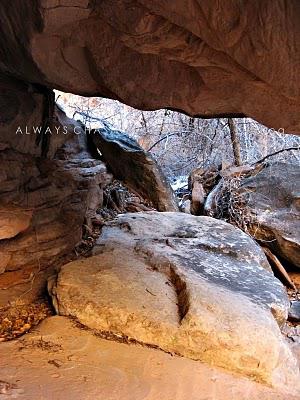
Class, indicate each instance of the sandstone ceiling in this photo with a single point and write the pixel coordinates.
(205, 58)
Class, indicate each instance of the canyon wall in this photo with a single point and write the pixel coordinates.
(44, 201)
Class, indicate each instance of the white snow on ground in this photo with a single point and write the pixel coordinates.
(180, 182)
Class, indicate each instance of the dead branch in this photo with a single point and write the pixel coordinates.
(276, 264)
(274, 154)
(161, 139)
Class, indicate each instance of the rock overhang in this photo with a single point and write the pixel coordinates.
(203, 59)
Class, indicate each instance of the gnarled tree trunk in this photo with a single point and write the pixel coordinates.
(235, 142)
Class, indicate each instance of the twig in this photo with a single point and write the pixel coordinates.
(150, 292)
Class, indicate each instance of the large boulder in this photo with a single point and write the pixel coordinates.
(205, 58)
(193, 286)
(135, 167)
(274, 199)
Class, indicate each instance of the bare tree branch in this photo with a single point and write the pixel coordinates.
(275, 153)
(161, 139)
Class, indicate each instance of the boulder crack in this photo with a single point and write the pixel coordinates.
(164, 266)
(183, 301)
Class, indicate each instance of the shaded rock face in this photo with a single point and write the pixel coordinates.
(43, 202)
(13, 220)
(275, 200)
(135, 167)
(188, 285)
(199, 57)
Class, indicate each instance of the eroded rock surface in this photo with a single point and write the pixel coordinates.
(13, 220)
(135, 167)
(275, 201)
(189, 285)
(204, 58)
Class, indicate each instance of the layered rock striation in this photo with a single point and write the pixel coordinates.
(44, 201)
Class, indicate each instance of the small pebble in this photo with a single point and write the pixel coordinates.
(294, 311)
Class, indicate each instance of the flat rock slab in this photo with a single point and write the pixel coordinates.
(192, 286)
(61, 361)
(135, 167)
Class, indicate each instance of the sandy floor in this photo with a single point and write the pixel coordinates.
(59, 361)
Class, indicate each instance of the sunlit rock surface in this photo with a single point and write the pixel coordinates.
(205, 58)
(192, 286)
